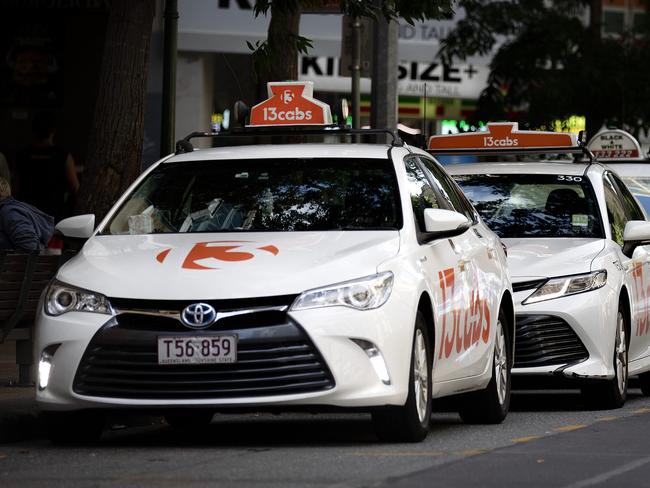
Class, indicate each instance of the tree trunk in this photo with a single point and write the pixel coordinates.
(284, 25)
(115, 147)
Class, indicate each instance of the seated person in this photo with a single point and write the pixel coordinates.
(23, 228)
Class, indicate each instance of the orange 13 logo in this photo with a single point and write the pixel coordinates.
(205, 253)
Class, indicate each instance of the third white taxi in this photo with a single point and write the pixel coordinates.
(576, 242)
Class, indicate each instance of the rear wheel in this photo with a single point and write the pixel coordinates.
(491, 405)
(612, 393)
(79, 427)
(410, 423)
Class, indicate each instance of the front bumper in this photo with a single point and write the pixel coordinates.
(570, 337)
(302, 358)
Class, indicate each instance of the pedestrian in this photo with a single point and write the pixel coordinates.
(46, 173)
(23, 228)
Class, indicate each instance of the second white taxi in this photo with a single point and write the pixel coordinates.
(280, 276)
(577, 248)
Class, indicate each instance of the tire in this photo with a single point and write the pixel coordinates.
(189, 419)
(612, 393)
(491, 405)
(79, 427)
(410, 422)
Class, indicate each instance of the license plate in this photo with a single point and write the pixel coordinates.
(197, 349)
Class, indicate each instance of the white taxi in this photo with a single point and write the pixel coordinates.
(575, 239)
(280, 276)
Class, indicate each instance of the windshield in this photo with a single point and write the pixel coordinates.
(532, 205)
(640, 188)
(262, 195)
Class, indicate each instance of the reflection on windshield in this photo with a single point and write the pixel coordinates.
(534, 205)
(262, 195)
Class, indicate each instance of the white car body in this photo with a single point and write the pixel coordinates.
(592, 315)
(133, 270)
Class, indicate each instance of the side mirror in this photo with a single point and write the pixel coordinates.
(636, 233)
(77, 227)
(440, 223)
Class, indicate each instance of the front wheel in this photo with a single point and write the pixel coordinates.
(410, 423)
(491, 405)
(612, 393)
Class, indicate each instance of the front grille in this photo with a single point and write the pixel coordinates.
(543, 340)
(528, 285)
(274, 357)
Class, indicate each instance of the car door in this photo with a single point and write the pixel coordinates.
(482, 275)
(439, 262)
(638, 269)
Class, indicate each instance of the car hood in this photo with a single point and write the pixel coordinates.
(209, 266)
(530, 258)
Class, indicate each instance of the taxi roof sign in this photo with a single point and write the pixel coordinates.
(503, 136)
(614, 145)
(290, 103)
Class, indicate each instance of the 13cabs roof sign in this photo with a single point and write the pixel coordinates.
(503, 135)
(613, 144)
(290, 103)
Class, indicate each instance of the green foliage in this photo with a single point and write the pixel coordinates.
(549, 63)
(264, 56)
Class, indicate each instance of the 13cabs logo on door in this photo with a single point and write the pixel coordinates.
(464, 324)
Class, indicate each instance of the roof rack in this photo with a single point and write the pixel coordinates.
(184, 145)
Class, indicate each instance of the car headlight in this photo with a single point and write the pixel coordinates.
(361, 294)
(568, 285)
(62, 298)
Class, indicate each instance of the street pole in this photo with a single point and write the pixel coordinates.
(169, 77)
(384, 74)
(356, 72)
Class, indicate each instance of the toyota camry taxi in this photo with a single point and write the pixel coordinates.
(576, 243)
(280, 276)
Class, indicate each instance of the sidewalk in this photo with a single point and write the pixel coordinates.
(18, 413)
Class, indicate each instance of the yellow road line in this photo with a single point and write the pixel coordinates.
(606, 419)
(641, 410)
(569, 428)
(399, 454)
(526, 439)
(471, 452)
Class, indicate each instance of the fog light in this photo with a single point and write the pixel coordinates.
(45, 366)
(376, 359)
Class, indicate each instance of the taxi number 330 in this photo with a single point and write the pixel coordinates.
(569, 178)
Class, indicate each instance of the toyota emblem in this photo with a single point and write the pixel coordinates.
(198, 315)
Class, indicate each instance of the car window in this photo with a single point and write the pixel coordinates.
(421, 191)
(449, 189)
(640, 188)
(533, 205)
(632, 209)
(261, 195)
(615, 211)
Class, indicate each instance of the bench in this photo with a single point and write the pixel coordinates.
(23, 277)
